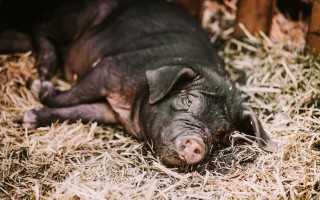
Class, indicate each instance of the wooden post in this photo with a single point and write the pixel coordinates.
(313, 37)
(192, 6)
(256, 15)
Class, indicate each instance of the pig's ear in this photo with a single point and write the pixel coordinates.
(250, 124)
(162, 80)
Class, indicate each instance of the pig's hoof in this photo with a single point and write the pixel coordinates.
(46, 91)
(27, 120)
(35, 87)
(42, 90)
(190, 149)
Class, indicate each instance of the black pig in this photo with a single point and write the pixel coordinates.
(145, 64)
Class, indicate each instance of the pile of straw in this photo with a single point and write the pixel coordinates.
(89, 161)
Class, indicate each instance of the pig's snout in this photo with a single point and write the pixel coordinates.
(190, 149)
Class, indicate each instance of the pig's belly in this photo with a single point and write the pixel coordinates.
(79, 59)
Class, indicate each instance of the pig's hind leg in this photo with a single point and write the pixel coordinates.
(95, 112)
(46, 57)
(13, 41)
(66, 23)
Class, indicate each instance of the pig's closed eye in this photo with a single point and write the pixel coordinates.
(181, 103)
(186, 101)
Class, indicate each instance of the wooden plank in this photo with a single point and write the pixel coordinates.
(313, 36)
(193, 7)
(256, 15)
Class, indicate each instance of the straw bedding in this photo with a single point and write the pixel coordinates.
(90, 161)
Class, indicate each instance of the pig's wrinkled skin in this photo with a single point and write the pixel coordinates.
(146, 65)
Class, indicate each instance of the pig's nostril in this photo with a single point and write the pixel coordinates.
(197, 151)
(183, 146)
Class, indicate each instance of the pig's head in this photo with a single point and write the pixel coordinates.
(192, 109)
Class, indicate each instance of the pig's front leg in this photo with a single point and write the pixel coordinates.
(103, 80)
(96, 112)
(91, 88)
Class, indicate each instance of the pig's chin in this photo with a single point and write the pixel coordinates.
(171, 159)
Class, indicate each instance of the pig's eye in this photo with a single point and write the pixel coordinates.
(186, 101)
(181, 103)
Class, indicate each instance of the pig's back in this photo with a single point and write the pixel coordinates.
(150, 31)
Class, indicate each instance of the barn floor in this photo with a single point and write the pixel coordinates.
(78, 161)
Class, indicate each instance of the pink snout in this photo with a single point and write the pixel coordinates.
(191, 149)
